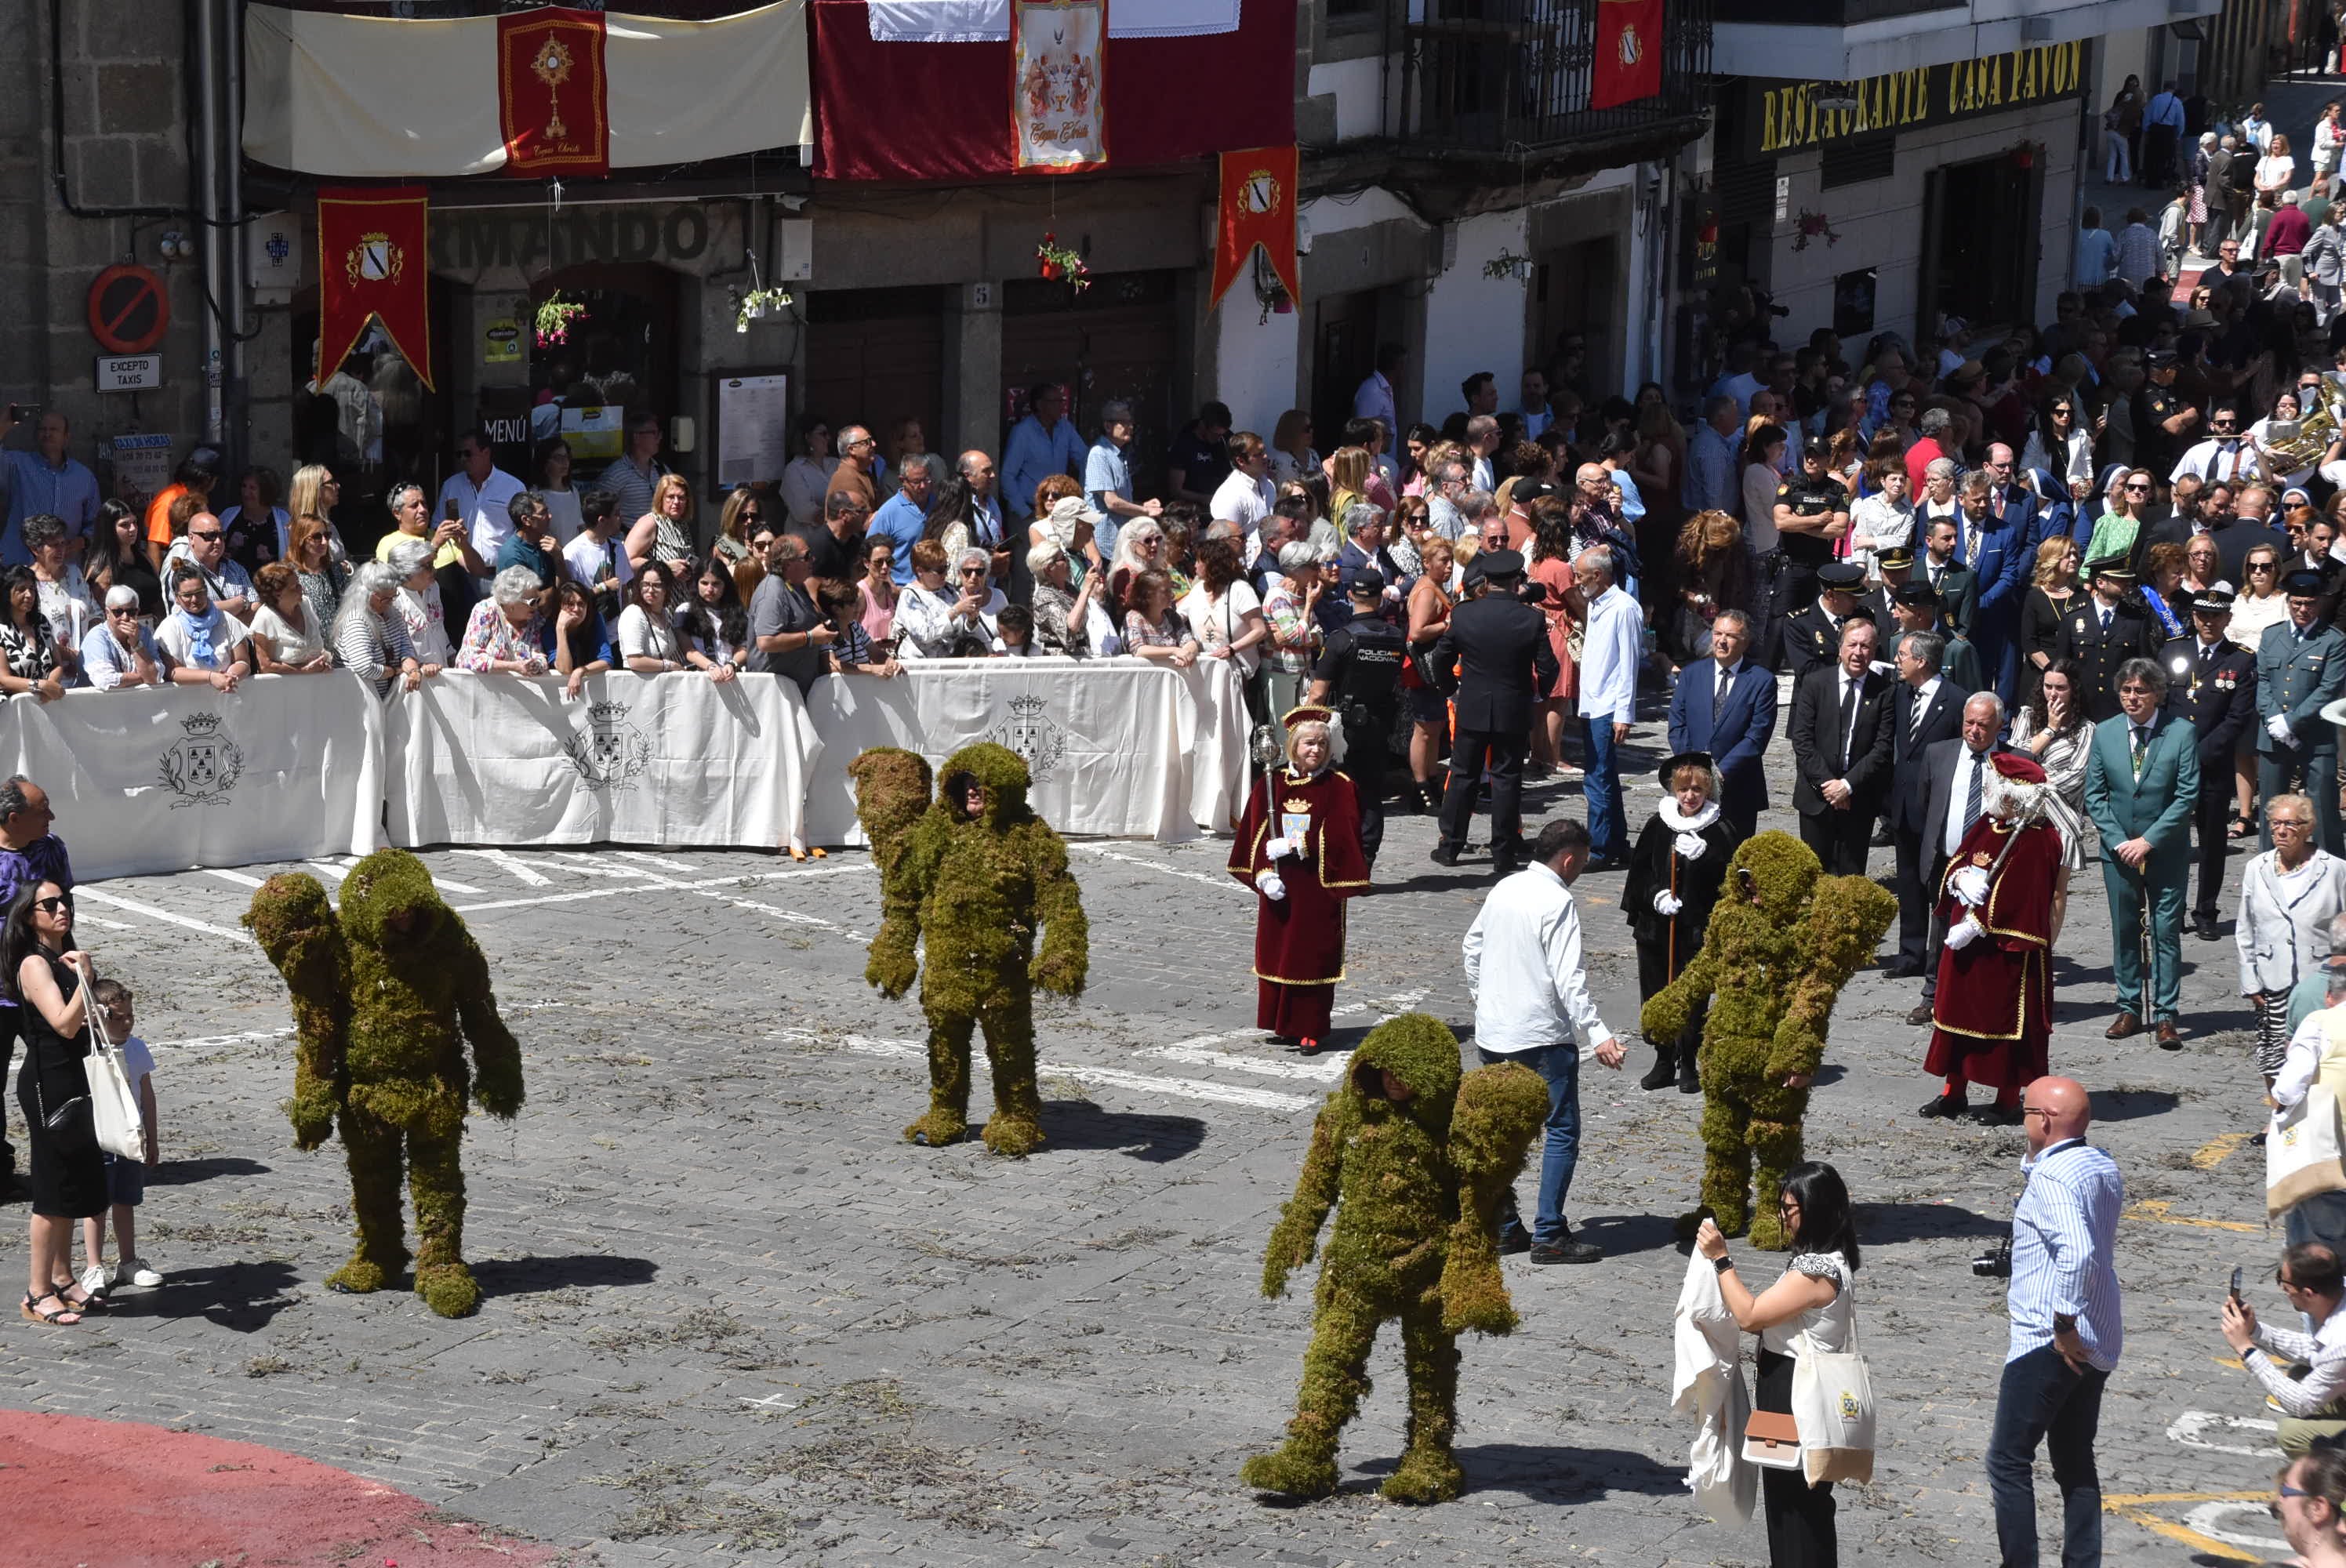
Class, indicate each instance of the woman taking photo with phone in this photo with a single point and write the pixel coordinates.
(49, 980)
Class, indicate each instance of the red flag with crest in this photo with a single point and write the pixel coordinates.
(374, 265)
(1257, 208)
(1628, 53)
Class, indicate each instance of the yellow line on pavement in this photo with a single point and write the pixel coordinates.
(2215, 1151)
(2135, 1510)
(2155, 1210)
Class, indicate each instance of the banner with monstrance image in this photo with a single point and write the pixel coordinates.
(1058, 94)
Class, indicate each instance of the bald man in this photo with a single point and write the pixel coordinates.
(2066, 1328)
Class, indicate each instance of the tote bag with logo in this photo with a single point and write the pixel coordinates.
(2301, 1155)
(1832, 1403)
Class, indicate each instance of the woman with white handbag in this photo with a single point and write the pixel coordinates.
(1808, 1313)
(49, 981)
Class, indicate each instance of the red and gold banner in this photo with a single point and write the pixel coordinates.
(552, 96)
(1628, 53)
(373, 264)
(1058, 86)
(1257, 208)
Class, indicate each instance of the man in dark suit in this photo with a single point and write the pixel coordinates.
(1929, 709)
(2301, 670)
(2102, 631)
(1958, 588)
(2211, 682)
(1953, 780)
(1364, 551)
(1498, 647)
(1725, 704)
(1996, 552)
(1812, 637)
(1841, 751)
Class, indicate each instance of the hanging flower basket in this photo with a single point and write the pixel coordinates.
(1814, 226)
(555, 319)
(756, 304)
(1060, 263)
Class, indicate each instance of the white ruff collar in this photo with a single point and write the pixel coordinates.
(1671, 819)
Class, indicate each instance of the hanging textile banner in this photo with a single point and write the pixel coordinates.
(1628, 65)
(1058, 92)
(374, 265)
(1257, 207)
(547, 60)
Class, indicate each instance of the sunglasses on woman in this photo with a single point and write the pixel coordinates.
(52, 905)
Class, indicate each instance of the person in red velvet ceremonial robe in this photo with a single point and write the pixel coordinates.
(1299, 848)
(1993, 1017)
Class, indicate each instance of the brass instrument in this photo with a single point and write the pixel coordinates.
(2315, 430)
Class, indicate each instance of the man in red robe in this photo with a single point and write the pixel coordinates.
(1993, 1016)
(1299, 848)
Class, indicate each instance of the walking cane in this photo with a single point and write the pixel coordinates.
(1672, 961)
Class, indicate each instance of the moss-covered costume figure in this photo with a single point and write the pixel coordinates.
(1781, 943)
(384, 997)
(1415, 1160)
(976, 882)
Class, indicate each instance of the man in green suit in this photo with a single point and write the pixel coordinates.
(2142, 779)
(2301, 669)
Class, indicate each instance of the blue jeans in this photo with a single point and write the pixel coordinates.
(2045, 1399)
(1608, 824)
(1560, 1066)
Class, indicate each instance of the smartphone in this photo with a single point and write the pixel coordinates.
(21, 411)
(2236, 1288)
(454, 512)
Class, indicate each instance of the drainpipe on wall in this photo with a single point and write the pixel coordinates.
(231, 154)
(207, 192)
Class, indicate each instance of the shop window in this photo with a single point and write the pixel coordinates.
(609, 353)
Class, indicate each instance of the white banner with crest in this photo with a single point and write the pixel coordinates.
(634, 759)
(166, 780)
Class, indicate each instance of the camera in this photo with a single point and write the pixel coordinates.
(1997, 1265)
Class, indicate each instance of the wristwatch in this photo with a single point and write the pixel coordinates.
(1722, 1264)
(2064, 1323)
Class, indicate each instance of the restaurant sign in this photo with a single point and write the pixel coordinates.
(1780, 117)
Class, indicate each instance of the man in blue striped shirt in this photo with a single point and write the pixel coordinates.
(2066, 1328)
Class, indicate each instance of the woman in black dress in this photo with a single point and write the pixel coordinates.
(1675, 874)
(49, 978)
(2052, 593)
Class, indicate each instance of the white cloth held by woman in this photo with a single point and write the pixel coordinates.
(1706, 1382)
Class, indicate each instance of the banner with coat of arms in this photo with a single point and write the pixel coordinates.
(1257, 208)
(552, 96)
(373, 264)
(1058, 86)
(1628, 65)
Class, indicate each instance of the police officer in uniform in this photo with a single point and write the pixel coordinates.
(2105, 629)
(1811, 512)
(1813, 637)
(2211, 681)
(1359, 676)
(2164, 423)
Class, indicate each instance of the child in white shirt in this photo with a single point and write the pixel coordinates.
(125, 1180)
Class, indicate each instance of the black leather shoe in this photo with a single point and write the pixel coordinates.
(1943, 1107)
(1445, 855)
(1881, 840)
(1905, 971)
(2204, 928)
(1514, 1241)
(1996, 1116)
(1662, 1074)
(1566, 1251)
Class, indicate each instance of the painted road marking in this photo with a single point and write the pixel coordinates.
(2234, 1522)
(1104, 853)
(86, 891)
(2216, 1150)
(634, 882)
(2191, 1429)
(238, 878)
(1198, 1050)
(663, 863)
(507, 863)
(2155, 1211)
(792, 916)
(1082, 1073)
(2136, 1510)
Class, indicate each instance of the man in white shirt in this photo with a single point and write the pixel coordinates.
(1373, 399)
(597, 558)
(1536, 417)
(1246, 496)
(2312, 1406)
(1532, 1005)
(482, 491)
(1483, 441)
(2226, 456)
(1612, 648)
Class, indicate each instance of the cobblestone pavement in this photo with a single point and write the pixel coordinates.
(732, 1316)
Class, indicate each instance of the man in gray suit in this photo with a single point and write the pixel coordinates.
(2301, 668)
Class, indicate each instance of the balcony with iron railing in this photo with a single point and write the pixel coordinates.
(1513, 76)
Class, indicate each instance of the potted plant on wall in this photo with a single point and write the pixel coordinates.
(756, 304)
(555, 319)
(1059, 263)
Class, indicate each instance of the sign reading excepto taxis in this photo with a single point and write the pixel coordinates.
(1784, 117)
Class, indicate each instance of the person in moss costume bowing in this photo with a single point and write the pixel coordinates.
(385, 995)
(1415, 1161)
(1783, 941)
(975, 875)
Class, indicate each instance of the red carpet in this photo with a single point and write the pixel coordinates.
(118, 1495)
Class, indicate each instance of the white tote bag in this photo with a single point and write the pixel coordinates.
(1832, 1403)
(113, 1101)
(2301, 1156)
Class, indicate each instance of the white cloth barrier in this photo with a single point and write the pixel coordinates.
(169, 778)
(1120, 748)
(634, 760)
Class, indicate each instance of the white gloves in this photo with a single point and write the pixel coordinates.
(1273, 886)
(1970, 884)
(1965, 932)
(1667, 903)
(2278, 728)
(1279, 848)
(1690, 846)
